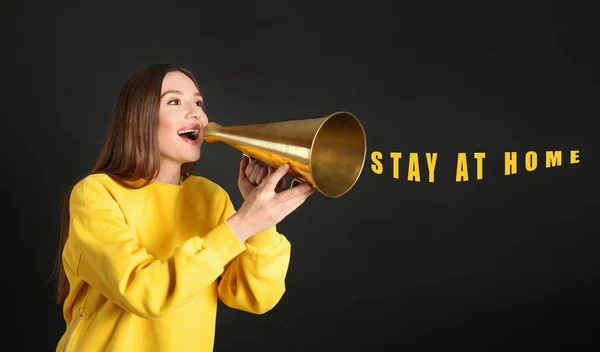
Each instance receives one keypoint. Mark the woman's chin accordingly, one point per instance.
(192, 158)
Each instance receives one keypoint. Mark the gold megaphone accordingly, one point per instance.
(326, 152)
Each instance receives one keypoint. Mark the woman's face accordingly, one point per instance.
(181, 120)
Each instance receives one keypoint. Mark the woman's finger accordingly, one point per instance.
(276, 176)
(255, 171)
(295, 197)
(250, 167)
(244, 164)
(261, 175)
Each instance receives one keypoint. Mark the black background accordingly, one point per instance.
(501, 264)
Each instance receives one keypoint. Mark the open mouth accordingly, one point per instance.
(190, 134)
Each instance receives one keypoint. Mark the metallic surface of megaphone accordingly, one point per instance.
(327, 152)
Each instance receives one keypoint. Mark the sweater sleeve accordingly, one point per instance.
(114, 262)
(254, 281)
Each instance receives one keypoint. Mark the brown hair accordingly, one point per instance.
(130, 152)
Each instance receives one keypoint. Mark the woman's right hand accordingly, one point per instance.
(266, 205)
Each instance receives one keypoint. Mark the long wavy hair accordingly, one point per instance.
(131, 151)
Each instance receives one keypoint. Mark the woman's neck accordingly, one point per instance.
(169, 174)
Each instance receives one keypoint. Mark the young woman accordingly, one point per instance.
(147, 248)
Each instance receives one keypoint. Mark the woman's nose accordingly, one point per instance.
(192, 115)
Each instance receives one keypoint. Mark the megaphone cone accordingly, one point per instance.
(327, 152)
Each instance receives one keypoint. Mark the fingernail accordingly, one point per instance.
(285, 166)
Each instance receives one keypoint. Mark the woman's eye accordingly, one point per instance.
(173, 101)
(200, 103)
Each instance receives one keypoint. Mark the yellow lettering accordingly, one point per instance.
(553, 158)
(461, 168)
(413, 167)
(510, 163)
(377, 166)
(431, 164)
(479, 157)
(396, 156)
(574, 156)
(530, 161)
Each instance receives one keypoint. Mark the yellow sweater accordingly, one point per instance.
(146, 267)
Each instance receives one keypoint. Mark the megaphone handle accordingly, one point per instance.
(296, 180)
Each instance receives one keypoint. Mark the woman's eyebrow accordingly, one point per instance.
(178, 92)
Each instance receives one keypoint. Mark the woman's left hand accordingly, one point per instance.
(252, 173)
